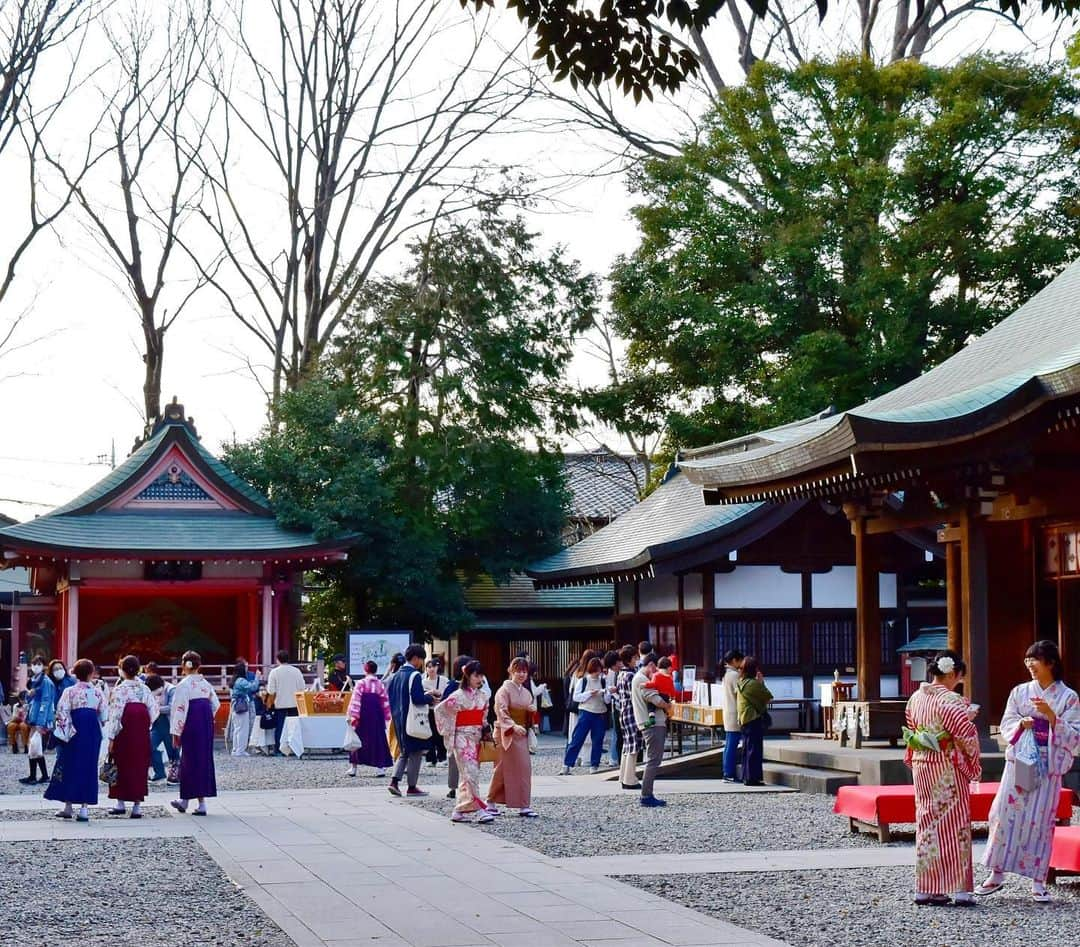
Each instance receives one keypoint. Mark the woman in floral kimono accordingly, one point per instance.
(943, 753)
(194, 703)
(1022, 819)
(514, 707)
(369, 716)
(132, 711)
(460, 719)
(79, 717)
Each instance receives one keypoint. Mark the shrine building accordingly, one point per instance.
(169, 551)
(985, 448)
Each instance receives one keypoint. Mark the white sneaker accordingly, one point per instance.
(351, 771)
(565, 771)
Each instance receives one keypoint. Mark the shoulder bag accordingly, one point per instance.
(417, 718)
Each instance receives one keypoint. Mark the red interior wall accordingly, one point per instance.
(158, 628)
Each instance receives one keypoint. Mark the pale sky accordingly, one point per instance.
(73, 394)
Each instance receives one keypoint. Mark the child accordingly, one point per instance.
(663, 681)
(17, 726)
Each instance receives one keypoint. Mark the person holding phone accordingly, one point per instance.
(1022, 819)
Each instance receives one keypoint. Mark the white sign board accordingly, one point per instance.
(689, 676)
(377, 646)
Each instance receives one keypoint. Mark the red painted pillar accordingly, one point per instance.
(252, 630)
(60, 633)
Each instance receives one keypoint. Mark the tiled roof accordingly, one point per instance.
(1027, 359)
(86, 525)
(180, 533)
(519, 594)
(603, 484)
(669, 521)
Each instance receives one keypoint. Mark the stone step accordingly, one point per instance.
(807, 778)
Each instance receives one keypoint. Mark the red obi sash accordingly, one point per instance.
(470, 718)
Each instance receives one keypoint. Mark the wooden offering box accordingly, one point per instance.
(322, 703)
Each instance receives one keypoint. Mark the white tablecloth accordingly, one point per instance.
(323, 732)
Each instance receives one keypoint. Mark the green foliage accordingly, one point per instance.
(839, 228)
(413, 436)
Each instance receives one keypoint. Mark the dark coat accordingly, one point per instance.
(398, 690)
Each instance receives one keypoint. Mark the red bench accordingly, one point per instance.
(1065, 855)
(875, 808)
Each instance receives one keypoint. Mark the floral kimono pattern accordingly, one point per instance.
(124, 693)
(942, 790)
(1022, 823)
(464, 743)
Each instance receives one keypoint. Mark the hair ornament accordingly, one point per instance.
(945, 665)
(190, 665)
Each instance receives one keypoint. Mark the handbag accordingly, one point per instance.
(172, 774)
(1028, 763)
(417, 718)
(487, 752)
(109, 773)
(35, 750)
(266, 720)
(351, 740)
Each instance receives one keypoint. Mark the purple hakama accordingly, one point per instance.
(371, 728)
(197, 752)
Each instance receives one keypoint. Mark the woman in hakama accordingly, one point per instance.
(1022, 820)
(194, 703)
(514, 707)
(369, 715)
(132, 711)
(79, 717)
(460, 719)
(943, 753)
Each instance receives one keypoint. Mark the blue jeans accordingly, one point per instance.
(731, 751)
(159, 736)
(754, 737)
(588, 725)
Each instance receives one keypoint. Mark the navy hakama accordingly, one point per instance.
(75, 775)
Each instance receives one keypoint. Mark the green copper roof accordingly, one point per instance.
(519, 594)
(169, 533)
(87, 526)
(672, 521)
(1028, 359)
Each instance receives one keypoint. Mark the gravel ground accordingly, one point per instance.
(141, 900)
(870, 908)
(319, 770)
(100, 812)
(700, 823)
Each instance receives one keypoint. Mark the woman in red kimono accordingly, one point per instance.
(943, 753)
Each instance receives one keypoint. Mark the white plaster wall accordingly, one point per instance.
(232, 570)
(625, 591)
(108, 569)
(660, 594)
(691, 591)
(758, 587)
(836, 588)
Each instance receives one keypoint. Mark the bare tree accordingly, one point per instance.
(32, 31)
(154, 121)
(361, 116)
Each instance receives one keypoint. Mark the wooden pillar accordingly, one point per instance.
(953, 597)
(976, 617)
(710, 658)
(71, 632)
(868, 613)
(806, 634)
(268, 625)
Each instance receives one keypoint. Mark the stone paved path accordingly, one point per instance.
(354, 866)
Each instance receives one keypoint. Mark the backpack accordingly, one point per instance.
(241, 704)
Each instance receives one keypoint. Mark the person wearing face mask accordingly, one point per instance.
(40, 715)
(58, 674)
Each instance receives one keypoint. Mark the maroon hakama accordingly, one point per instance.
(131, 753)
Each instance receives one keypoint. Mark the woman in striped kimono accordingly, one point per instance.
(943, 753)
(1022, 816)
(461, 718)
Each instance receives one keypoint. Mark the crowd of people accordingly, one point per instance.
(140, 721)
(1041, 729)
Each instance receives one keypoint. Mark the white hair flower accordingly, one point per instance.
(945, 665)
(189, 665)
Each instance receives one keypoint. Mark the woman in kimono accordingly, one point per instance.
(632, 741)
(1022, 819)
(512, 782)
(943, 753)
(369, 715)
(460, 719)
(194, 703)
(132, 711)
(79, 717)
